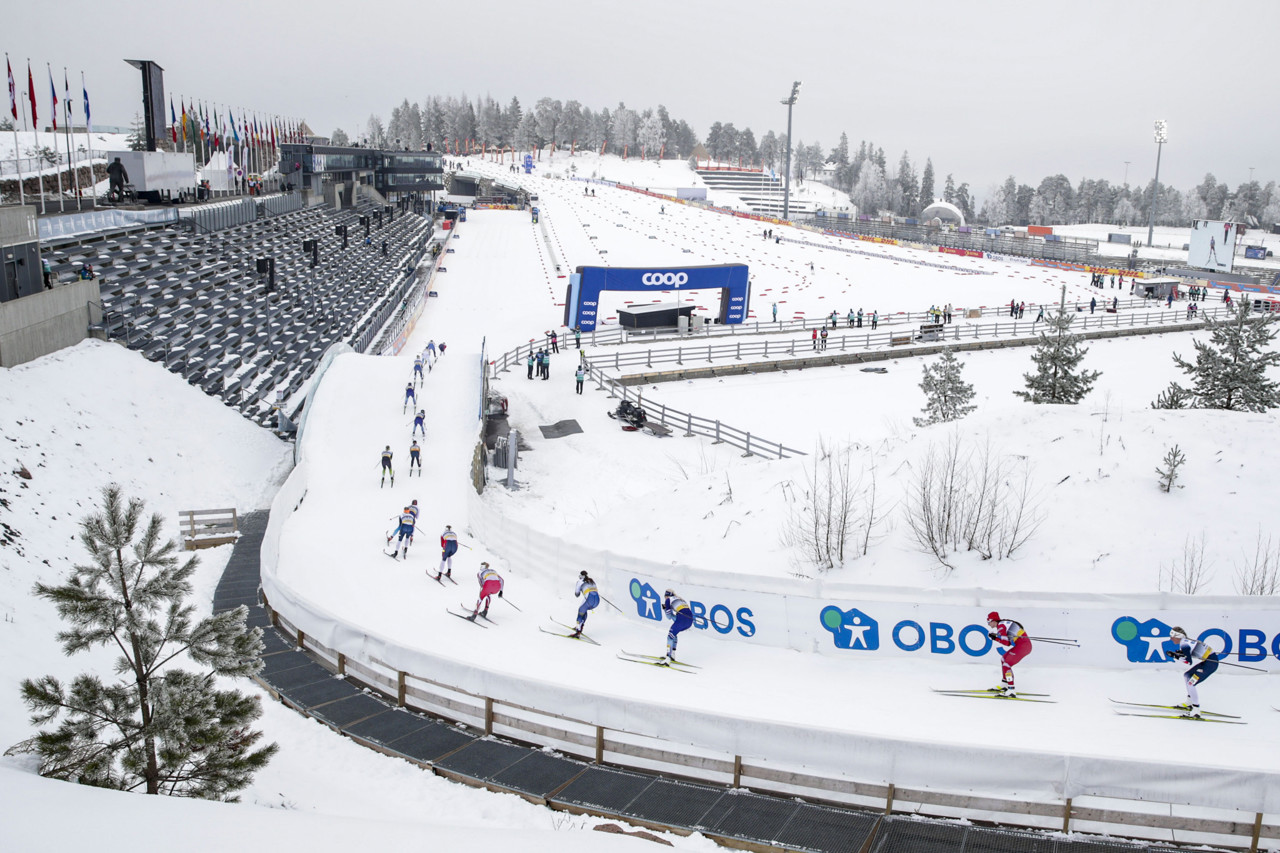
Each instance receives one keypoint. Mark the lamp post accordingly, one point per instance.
(786, 191)
(1162, 136)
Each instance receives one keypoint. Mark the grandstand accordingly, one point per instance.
(193, 299)
(761, 192)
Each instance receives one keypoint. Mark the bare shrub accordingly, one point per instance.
(1260, 574)
(971, 499)
(1189, 572)
(835, 507)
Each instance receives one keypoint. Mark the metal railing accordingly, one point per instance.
(1077, 251)
(752, 445)
(847, 340)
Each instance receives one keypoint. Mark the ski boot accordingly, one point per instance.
(1192, 712)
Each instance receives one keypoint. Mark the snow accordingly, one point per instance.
(1108, 530)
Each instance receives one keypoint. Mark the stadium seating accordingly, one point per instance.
(196, 303)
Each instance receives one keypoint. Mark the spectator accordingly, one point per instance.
(1093, 303)
(48, 273)
(117, 177)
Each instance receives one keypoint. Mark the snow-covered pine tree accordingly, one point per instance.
(946, 393)
(156, 728)
(1230, 371)
(1173, 397)
(137, 138)
(1058, 377)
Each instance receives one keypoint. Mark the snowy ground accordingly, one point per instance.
(1107, 527)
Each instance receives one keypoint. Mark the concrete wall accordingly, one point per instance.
(17, 225)
(46, 322)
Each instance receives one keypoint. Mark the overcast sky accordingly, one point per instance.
(985, 89)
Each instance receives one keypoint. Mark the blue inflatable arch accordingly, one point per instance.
(582, 300)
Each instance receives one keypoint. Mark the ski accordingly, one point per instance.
(1181, 717)
(1175, 708)
(392, 554)
(990, 690)
(660, 658)
(471, 618)
(583, 637)
(435, 578)
(442, 577)
(674, 666)
(990, 694)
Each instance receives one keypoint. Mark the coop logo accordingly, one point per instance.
(859, 631)
(851, 629)
(1147, 641)
(719, 617)
(658, 279)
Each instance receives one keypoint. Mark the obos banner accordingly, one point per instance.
(1108, 636)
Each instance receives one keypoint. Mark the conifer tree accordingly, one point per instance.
(1058, 377)
(946, 393)
(1230, 372)
(155, 728)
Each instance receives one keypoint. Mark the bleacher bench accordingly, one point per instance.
(899, 340)
(205, 528)
(930, 332)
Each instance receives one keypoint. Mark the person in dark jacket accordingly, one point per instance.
(117, 177)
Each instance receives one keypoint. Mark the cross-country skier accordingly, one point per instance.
(386, 467)
(586, 589)
(678, 609)
(490, 582)
(431, 349)
(448, 547)
(408, 519)
(417, 368)
(415, 458)
(1203, 661)
(409, 395)
(420, 422)
(1013, 644)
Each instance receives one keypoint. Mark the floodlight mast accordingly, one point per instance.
(1162, 136)
(786, 191)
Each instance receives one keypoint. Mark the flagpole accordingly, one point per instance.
(66, 108)
(35, 134)
(17, 151)
(62, 201)
(88, 139)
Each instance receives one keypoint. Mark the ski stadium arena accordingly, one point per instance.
(805, 718)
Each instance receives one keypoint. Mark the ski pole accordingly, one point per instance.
(611, 604)
(1242, 666)
(1068, 643)
(508, 602)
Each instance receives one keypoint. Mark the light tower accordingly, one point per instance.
(786, 190)
(1162, 136)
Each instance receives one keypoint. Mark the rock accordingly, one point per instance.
(23, 472)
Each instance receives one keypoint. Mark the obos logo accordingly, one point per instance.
(718, 616)
(658, 279)
(853, 629)
(1146, 641)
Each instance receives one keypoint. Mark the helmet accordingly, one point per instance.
(993, 616)
(1175, 631)
(668, 593)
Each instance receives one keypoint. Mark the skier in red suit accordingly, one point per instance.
(1012, 643)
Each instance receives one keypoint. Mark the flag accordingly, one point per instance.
(202, 123)
(31, 96)
(88, 121)
(173, 121)
(13, 90)
(53, 93)
(184, 121)
(273, 133)
(235, 131)
(66, 97)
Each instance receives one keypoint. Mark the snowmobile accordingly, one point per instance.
(633, 419)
